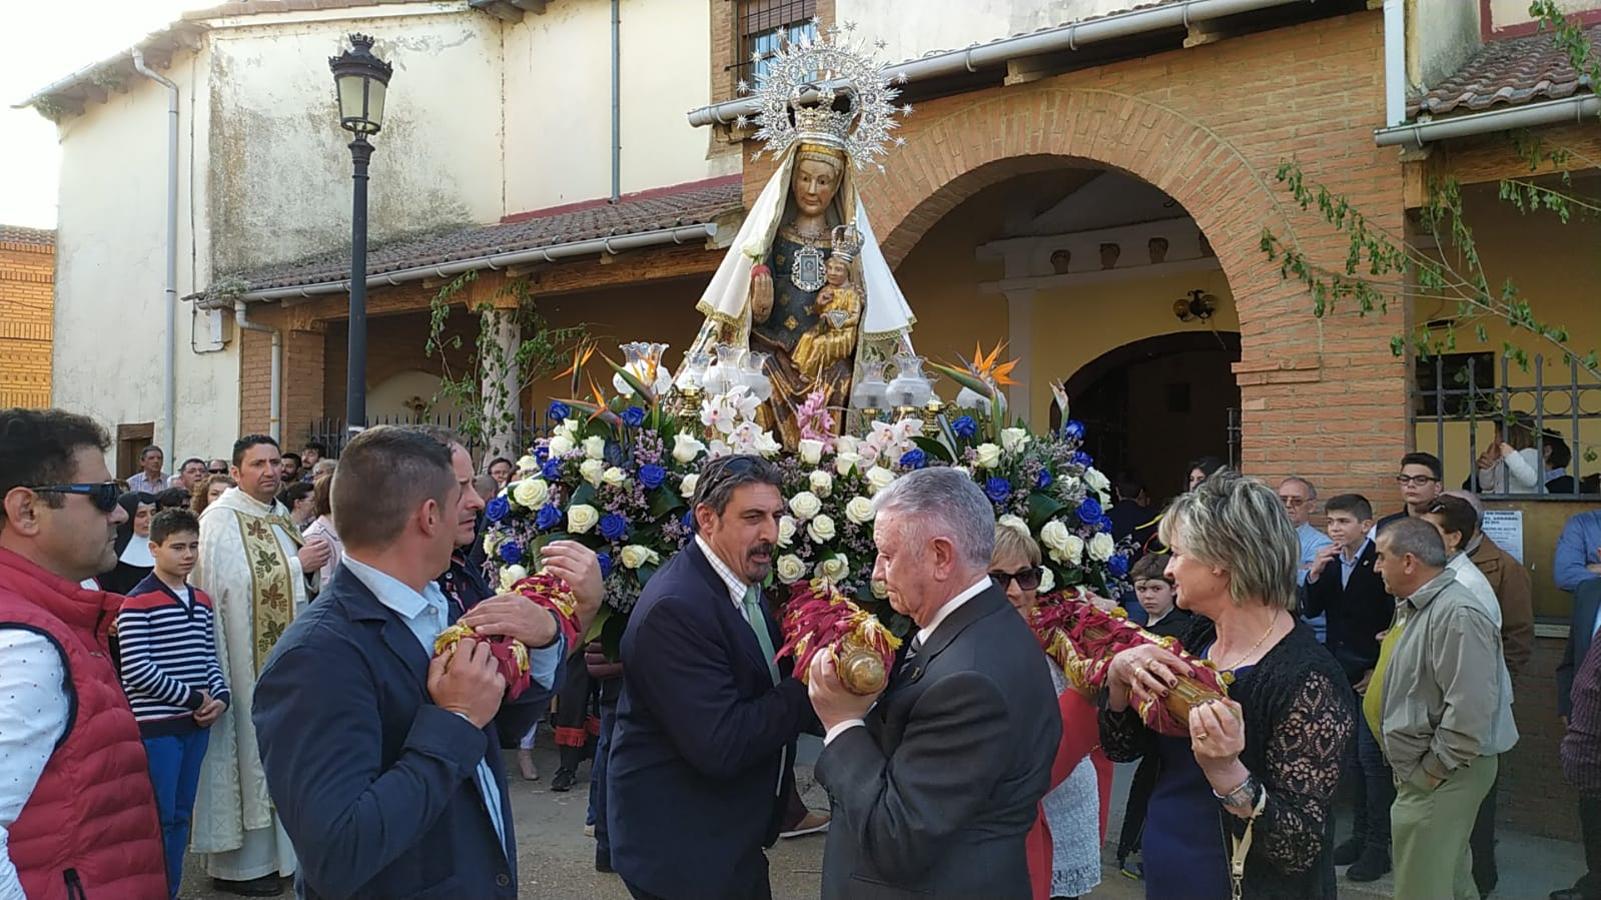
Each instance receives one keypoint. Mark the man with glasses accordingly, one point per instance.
(191, 473)
(217, 467)
(1299, 496)
(1421, 481)
(77, 813)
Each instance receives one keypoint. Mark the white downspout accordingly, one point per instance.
(1394, 62)
(241, 317)
(169, 385)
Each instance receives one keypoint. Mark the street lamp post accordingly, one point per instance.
(360, 80)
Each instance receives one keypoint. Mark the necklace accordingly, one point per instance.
(1247, 654)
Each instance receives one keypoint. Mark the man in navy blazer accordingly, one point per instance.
(706, 725)
(384, 764)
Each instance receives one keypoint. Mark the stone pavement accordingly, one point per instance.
(556, 860)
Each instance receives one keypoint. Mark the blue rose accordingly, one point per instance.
(914, 459)
(1089, 511)
(1044, 481)
(613, 526)
(551, 469)
(1105, 523)
(1117, 565)
(688, 519)
(1083, 459)
(541, 453)
(559, 412)
(964, 427)
(605, 564)
(998, 489)
(511, 553)
(497, 508)
(549, 517)
(652, 476)
(633, 416)
(1073, 430)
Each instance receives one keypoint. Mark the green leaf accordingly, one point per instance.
(934, 448)
(597, 626)
(585, 495)
(645, 572)
(964, 378)
(1041, 509)
(664, 501)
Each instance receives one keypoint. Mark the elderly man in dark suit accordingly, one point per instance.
(706, 724)
(936, 786)
(384, 764)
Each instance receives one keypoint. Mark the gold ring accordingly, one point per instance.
(1200, 735)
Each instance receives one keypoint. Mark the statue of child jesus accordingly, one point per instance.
(839, 308)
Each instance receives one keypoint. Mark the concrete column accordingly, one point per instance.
(1020, 346)
(501, 384)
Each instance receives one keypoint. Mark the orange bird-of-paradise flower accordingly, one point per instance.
(581, 355)
(987, 367)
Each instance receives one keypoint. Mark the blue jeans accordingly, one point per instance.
(609, 691)
(175, 772)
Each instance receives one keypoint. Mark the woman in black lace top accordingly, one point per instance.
(1247, 794)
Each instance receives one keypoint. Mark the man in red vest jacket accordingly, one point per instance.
(77, 812)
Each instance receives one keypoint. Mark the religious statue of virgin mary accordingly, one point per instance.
(805, 289)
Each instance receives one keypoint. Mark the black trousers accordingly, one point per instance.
(761, 890)
(1482, 842)
(1590, 833)
(1139, 797)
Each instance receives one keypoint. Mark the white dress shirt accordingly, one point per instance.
(923, 636)
(737, 586)
(33, 716)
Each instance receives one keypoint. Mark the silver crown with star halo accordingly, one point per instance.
(804, 78)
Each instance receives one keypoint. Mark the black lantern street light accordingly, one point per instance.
(360, 79)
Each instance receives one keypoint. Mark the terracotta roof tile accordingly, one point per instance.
(690, 204)
(17, 234)
(1507, 72)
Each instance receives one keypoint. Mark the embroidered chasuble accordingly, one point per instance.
(248, 566)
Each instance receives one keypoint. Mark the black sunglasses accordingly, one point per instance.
(216, 471)
(103, 494)
(1027, 580)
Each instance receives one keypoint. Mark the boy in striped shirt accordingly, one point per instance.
(171, 676)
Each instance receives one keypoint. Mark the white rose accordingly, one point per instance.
(1096, 480)
(686, 488)
(492, 541)
(880, 589)
(846, 443)
(1047, 581)
(805, 505)
(834, 569)
(595, 447)
(569, 427)
(847, 460)
(686, 448)
(1106, 499)
(879, 478)
(810, 450)
(822, 482)
(1101, 547)
(591, 470)
(859, 510)
(1054, 535)
(581, 518)
(1071, 553)
(789, 568)
(1066, 483)
(1015, 523)
(527, 464)
(560, 445)
(989, 456)
(635, 555)
(511, 575)
(820, 529)
(530, 493)
(1013, 439)
(786, 530)
(613, 476)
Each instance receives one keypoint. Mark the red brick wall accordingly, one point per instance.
(27, 299)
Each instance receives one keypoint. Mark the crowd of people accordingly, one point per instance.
(238, 661)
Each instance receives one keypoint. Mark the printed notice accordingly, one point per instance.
(1505, 527)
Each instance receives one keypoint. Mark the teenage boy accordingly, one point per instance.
(1155, 594)
(1342, 585)
(1421, 480)
(171, 675)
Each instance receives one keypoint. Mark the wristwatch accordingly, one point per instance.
(1242, 797)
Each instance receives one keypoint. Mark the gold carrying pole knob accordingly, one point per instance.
(861, 670)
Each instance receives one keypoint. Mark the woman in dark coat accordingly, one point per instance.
(133, 544)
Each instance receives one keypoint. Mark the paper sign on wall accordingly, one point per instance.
(1505, 527)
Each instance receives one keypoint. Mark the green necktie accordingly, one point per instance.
(758, 624)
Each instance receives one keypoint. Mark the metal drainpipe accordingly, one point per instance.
(616, 101)
(241, 317)
(1394, 62)
(169, 384)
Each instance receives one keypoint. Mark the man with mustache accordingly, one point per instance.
(707, 722)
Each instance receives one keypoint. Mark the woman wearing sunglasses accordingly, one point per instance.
(1065, 845)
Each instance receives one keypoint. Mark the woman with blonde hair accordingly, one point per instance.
(1245, 797)
(1064, 848)
(323, 525)
(206, 492)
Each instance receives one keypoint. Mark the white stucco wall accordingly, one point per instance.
(910, 29)
(558, 100)
(1441, 35)
(1504, 13)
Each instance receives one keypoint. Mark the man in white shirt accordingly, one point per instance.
(936, 784)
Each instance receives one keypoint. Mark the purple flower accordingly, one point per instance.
(1117, 565)
(1073, 430)
(652, 475)
(549, 517)
(914, 459)
(613, 526)
(559, 411)
(511, 552)
(998, 489)
(605, 564)
(1089, 511)
(551, 469)
(633, 416)
(964, 427)
(497, 508)
(1044, 480)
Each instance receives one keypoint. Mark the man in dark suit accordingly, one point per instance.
(384, 764)
(937, 785)
(706, 724)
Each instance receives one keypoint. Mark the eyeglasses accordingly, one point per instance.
(216, 471)
(1415, 480)
(103, 494)
(1027, 580)
(1293, 502)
